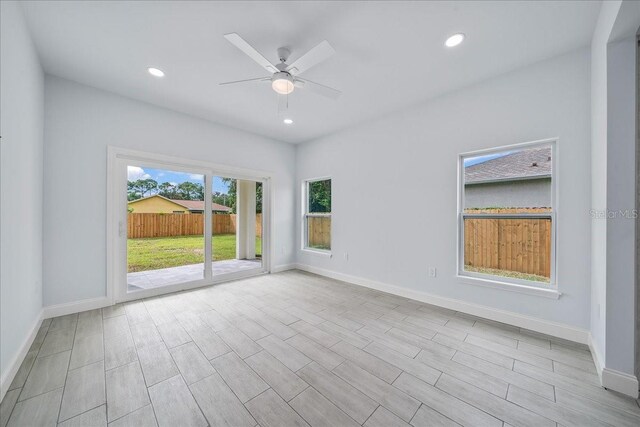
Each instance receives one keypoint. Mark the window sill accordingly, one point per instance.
(317, 252)
(511, 287)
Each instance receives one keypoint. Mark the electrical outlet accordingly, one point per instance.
(346, 256)
(432, 272)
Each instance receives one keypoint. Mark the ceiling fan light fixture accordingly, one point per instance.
(282, 83)
(454, 40)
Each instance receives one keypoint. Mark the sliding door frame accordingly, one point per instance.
(116, 227)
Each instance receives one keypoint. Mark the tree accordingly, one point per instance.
(147, 186)
(140, 188)
(168, 190)
(258, 197)
(232, 193)
(190, 191)
(220, 198)
(320, 196)
(132, 191)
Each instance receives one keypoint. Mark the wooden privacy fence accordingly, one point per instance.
(319, 232)
(141, 225)
(514, 244)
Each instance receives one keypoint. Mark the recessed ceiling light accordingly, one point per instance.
(155, 72)
(288, 121)
(454, 40)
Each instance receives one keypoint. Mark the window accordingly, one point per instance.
(317, 214)
(507, 215)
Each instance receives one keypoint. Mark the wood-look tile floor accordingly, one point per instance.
(295, 349)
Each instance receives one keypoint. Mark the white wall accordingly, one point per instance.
(395, 185)
(621, 150)
(606, 20)
(80, 123)
(613, 122)
(21, 121)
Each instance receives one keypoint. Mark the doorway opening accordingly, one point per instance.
(237, 225)
(184, 225)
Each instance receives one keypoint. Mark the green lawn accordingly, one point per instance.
(507, 273)
(163, 252)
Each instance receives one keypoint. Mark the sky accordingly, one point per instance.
(162, 175)
(470, 161)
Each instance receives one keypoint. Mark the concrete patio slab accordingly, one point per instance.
(187, 273)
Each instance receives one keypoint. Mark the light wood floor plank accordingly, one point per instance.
(294, 348)
(351, 400)
(559, 413)
(523, 381)
(492, 404)
(385, 394)
(596, 410)
(444, 403)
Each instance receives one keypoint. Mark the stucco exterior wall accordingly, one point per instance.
(513, 194)
(156, 205)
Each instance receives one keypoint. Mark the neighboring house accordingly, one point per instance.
(160, 204)
(517, 180)
(197, 206)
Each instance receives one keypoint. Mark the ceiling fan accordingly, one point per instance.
(285, 77)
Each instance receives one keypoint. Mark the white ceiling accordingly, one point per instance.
(389, 55)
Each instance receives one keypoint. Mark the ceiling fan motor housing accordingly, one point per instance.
(283, 54)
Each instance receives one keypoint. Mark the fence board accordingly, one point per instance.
(319, 232)
(521, 244)
(142, 225)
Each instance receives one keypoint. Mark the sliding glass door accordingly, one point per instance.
(165, 227)
(182, 226)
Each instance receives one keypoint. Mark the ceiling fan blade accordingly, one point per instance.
(259, 79)
(323, 90)
(241, 44)
(315, 56)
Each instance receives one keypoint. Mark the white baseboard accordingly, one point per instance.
(75, 307)
(555, 329)
(16, 361)
(612, 379)
(597, 358)
(620, 382)
(283, 267)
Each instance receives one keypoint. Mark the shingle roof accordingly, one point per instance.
(198, 205)
(524, 164)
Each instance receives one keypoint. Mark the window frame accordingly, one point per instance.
(512, 284)
(306, 214)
